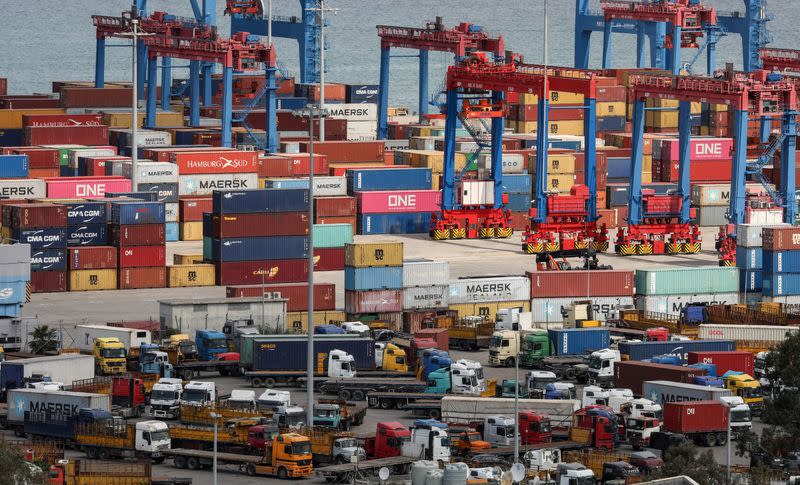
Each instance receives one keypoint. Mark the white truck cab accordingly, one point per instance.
(165, 398)
(477, 368)
(290, 417)
(356, 328)
(639, 408)
(46, 385)
(242, 399)
(199, 393)
(341, 364)
(499, 430)
(740, 412)
(273, 399)
(538, 381)
(574, 474)
(544, 460)
(619, 397)
(504, 348)
(152, 437)
(594, 396)
(639, 430)
(429, 441)
(601, 367)
(463, 380)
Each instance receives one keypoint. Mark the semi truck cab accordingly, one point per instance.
(574, 474)
(390, 357)
(538, 381)
(210, 344)
(429, 441)
(198, 393)
(272, 400)
(534, 428)
(535, 346)
(504, 348)
(639, 430)
(388, 441)
(341, 364)
(183, 345)
(642, 407)
(455, 379)
(290, 457)
(110, 355)
(291, 417)
(477, 368)
(327, 415)
(242, 399)
(740, 412)
(499, 430)
(747, 388)
(155, 362)
(601, 367)
(152, 437)
(560, 390)
(165, 398)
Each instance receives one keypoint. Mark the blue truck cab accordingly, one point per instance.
(433, 360)
(708, 381)
(329, 329)
(210, 344)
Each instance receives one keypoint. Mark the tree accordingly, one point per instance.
(16, 470)
(43, 339)
(683, 459)
(782, 405)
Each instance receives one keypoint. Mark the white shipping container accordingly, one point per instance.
(673, 304)
(151, 172)
(464, 146)
(205, 184)
(92, 152)
(463, 410)
(490, 289)
(362, 130)
(548, 310)
(475, 192)
(711, 194)
(64, 403)
(763, 217)
(148, 138)
(353, 111)
(324, 186)
(64, 368)
(171, 212)
(785, 299)
(426, 297)
(512, 162)
(425, 272)
(758, 333)
(23, 188)
(82, 337)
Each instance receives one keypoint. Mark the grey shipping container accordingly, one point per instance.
(673, 304)
(667, 391)
(425, 272)
(426, 297)
(288, 352)
(52, 402)
(490, 289)
(712, 215)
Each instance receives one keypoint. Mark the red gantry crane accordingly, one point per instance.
(783, 60)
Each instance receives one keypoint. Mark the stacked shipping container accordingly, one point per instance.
(554, 291)
(138, 231)
(668, 291)
(373, 283)
(44, 227)
(781, 262)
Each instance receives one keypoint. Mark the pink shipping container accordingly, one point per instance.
(140, 256)
(389, 201)
(379, 301)
(559, 284)
(80, 187)
(700, 149)
(215, 162)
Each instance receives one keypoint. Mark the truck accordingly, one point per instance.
(128, 393)
(337, 363)
(563, 351)
(106, 440)
(662, 392)
(287, 456)
(65, 368)
(601, 367)
(210, 344)
(241, 435)
(574, 474)
(165, 398)
(648, 350)
(534, 428)
(173, 363)
(241, 399)
(704, 422)
(83, 337)
(471, 333)
(429, 441)
(100, 472)
(499, 430)
(390, 357)
(43, 426)
(62, 403)
(338, 414)
(273, 399)
(456, 379)
(198, 393)
(639, 430)
(331, 446)
(257, 352)
(358, 387)
(632, 374)
(472, 411)
(747, 388)
(608, 465)
(740, 412)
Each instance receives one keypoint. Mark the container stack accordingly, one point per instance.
(560, 171)
(668, 291)
(781, 264)
(92, 262)
(518, 187)
(160, 178)
(554, 291)
(566, 120)
(15, 274)
(611, 108)
(373, 283)
(329, 246)
(749, 260)
(138, 232)
(258, 236)
(426, 291)
(44, 227)
(483, 296)
(190, 216)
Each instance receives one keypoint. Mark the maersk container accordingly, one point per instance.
(749, 258)
(747, 335)
(578, 341)
(662, 392)
(260, 248)
(751, 280)
(674, 304)
(287, 352)
(425, 272)
(780, 284)
(648, 350)
(260, 200)
(426, 297)
(712, 279)
(324, 186)
(388, 179)
(397, 223)
(780, 261)
(46, 238)
(332, 235)
(548, 310)
(14, 166)
(361, 279)
(63, 368)
(62, 403)
(124, 213)
(490, 289)
(749, 235)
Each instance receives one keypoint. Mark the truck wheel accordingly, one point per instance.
(250, 469)
(269, 381)
(193, 463)
(400, 405)
(510, 362)
(570, 374)
(345, 394)
(358, 395)
(104, 454)
(179, 462)
(282, 473)
(340, 460)
(224, 372)
(91, 452)
(159, 460)
(256, 382)
(722, 439)
(711, 439)
(385, 404)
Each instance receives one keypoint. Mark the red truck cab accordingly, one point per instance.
(602, 421)
(258, 436)
(128, 392)
(534, 428)
(388, 440)
(657, 334)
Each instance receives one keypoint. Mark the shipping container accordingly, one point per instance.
(675, 304)
(48, 281)
(296, 294)
(129, 213)
(779, 261)
(214, 162)
(364, 255)
(24, 216)
(439, 335)
(664, 391)
(784, 238)
(648, 350)
(92, 257)
(291, 165)
(49, 260)
(205, 184)
(14, 166)
(471, 409)
(188, 275)
(82, 135)
(748, 336)
(385, 202)
(388, 179)
(749, 235)
(140, 256)
(488, 309)
(749, 258)
(63, 403)
(696, 417)
(23, 188)
(261, 200)
(426, 297)
(138, 235)
(142, 277)
(87, 235)
(374, 278)
(260, 225)
(633, 374)
(297, 322)
(780, 284)
(285, 352)
(373, 301)
(737, 361)
(549, 310)
(324, 186)
(85, 213)
(489, 289)
(260, 248)
(47, 238)
(191, 210)
(712, 279)
(398, 223)
(84, 187)
(560, 284)
(425, 272)
(64, 368)
(348, 151)
(334, 206)
(578, 341)
(328, 259)
(93, 279)
(332, 235)
(256, 272)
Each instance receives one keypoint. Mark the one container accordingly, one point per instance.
(674, 304)
(139, 256)
(375, 301)
(633, 374)
(712, 279)
(489, 289)
(397, 223)
(560, 284)
(261, 200)
(332, 235)
(144, 277)
(187, 275)
(254, 272)
(269, 248)
(296, 294)
(578, 341)
(737, 361)
(781, 238)
(377, 278)
(92, 257)
(388, 179)
(363, 255)
(425, 272)
(748, 336)
(93, 279)
(648, 350)
(83, 187)
(426, 297)
(385, 202)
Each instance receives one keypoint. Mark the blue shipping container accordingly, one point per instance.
(11, 375)
(400, 223)
(49, 260)
(519, 202)
(85, 213)
(207, 225)
(172, 231)
(648, 350)
(87, 235)
(143, 196)
(779, 261)
(51, 237)
(12, 292)
(363, 279)
(260, 200)
(66, 171)
(780, 284)
(751, 280)
(290, 355)
(578, 341)
(124, 213)
(611, 123)
(14, 166)
(388, 179)
(619, 167)
(516, 184)
(750, 258)
(292, 103)
(10, 138)
(260, 248)
(167, 193)
(565, 144)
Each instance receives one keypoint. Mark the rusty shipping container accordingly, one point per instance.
(439, 335)
(560, 284)
(781, 238)
(90, 97)
(92, 257)
(143, 277)
(39, 215)
(192, 209)
(335, 206)
(252, 272)
(631, 374)
(260, 225)
(349, 151)
(138, 235)
(40, 158)
(329, 259)
(66, 135)
(373, 301)
(48, 281)
(141, 256)
(295, 293)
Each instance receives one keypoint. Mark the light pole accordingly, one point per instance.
(728, 443)
(310, 112)
(516, 408)
(215, 417)
(321, 11)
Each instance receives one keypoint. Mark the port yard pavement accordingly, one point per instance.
(474, 257)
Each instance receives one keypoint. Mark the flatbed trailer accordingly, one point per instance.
(430, 408)
(509, 450)
(471, 337)
(269, 378)
(357, 388)
(346, 472)
(399, 400)
(250, 464)
(188, 370)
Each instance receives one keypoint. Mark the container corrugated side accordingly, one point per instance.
(426, 297)
(750, 258)
(332, 235)
(784, 238)
(185, 275)
(388, 179)
(489, 289)
(749, 235)
(260, 248)
(375, 301)
(780, 284)
(488, 309)
(771, 334)
(400, 223)
(561, 284)
(425, 272)
(548, 310)
(674, 304)
(739, 361)
(647, 350)
(780, 261)
(682, 281)
(67, 403)
(363, 255)
(92, 279)
(360, 279)
(664, 391)
(578, 341)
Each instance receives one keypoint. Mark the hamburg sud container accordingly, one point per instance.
(373, 301)
(737, 361)
(648, 350)
(578, 341)
(561, 284)
(683, 281)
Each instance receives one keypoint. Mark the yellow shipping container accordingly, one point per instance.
(697, 108)
(193, 231)
(616, 108)
(434, 160)
(647, 163)
(567, 127)
(190, 275)
(297, 322)
(647, 177)
(705, 131)
(12, 118)
(718, 108)
(556, 98)
(179, 258)
(488, 309)
(560, 182)
(665, 119)
(365, 255)
(123, 119)
(436, 181)
(557, 163)
(93, 279)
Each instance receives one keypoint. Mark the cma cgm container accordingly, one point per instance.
(359, 180)
(287, 352)
(632, 374)
(648, 350)
(561, 284)
(578, 341)
(738, 361)
(361, 279)
(490, 288)
(261, 200)
(63, 403)
(663, 391)
(713, 279)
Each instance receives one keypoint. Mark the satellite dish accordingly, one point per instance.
(383, 473)
(518, 472)
(536, 480)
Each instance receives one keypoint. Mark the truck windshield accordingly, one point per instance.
(301, 448)
(741, 416)
(156, 436)
(325, 413)
(348, 443)
(595, 362)
(194, 395)
(445, 441)
(507, 431)
(635, 424)
(545, 426)
(113, 353)
(347, 366)
(240, 404)
(294, 420)
(148, 358)
(496, 342)
(541, 382)
(163, 395)
(479, 373)
(187, 348)
(217, 343)
(751, 392)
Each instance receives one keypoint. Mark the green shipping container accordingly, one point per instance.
(207, 243)
(332, 235)
(711, 279)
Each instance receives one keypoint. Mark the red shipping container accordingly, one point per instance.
(341, 170)
(632, 374)
(695, 417)
(273, 271)
(48, 281)
(141, 256)
(781, 238)
(191, 210)
(29, 102)
(90, 97)
(164, 154)
(699, 171)
(530, 112)
(440, 335)
(138, 235)
(292, 165)
(92, 257)
(334, 206)
(608, 217)
(260, 225)
(43, 173)
(377, 301)
(296, 293)
(62, 120)
(29, 216)
(215, 162)
(3, 86)
(348, 151)
(520, 220)
(66, 135)
(562, 284)
(143, 277)
(84, 187)
(611, 94)
(385, 201)
(737, 361)
(39, 158)
(328, 259)
(352, 220)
